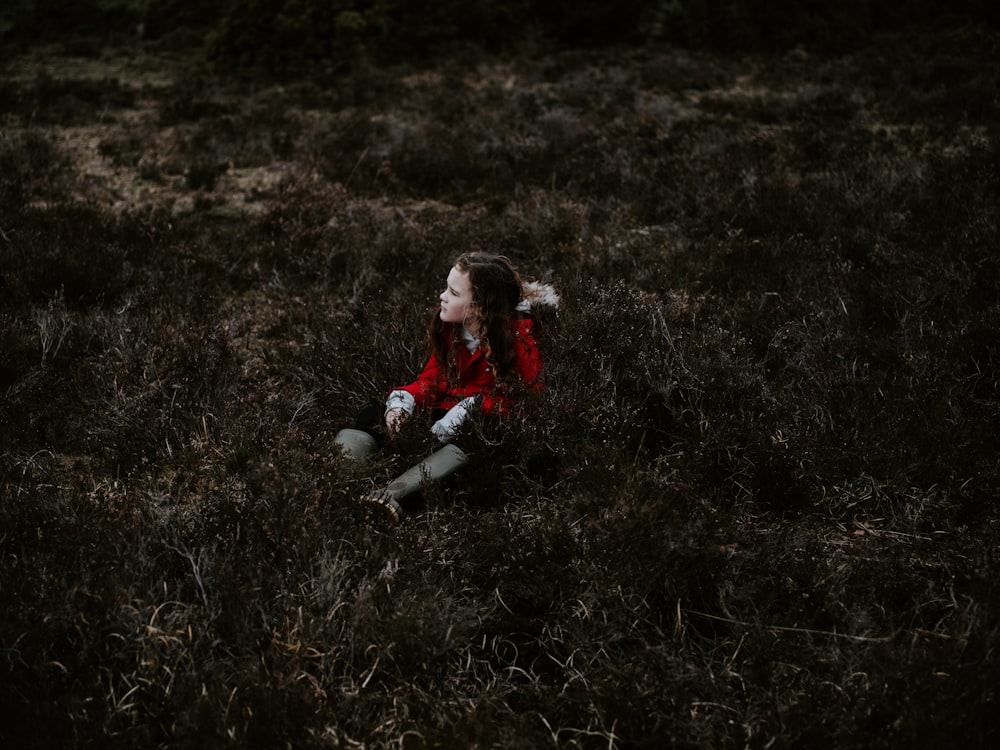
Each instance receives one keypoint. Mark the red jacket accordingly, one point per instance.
(431, 389)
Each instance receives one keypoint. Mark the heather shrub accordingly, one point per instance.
(295, 38)
(48, 99)
(753, 507)
(31, 168)
(79, 25)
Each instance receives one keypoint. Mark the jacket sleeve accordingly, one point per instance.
(529, 364)
(430, 383)
(529, 370)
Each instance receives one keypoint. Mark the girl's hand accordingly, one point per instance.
(394, 419)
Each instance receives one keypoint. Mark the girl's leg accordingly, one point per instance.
(365, 438)
(440, 464)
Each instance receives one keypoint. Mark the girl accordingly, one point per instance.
(484, 356)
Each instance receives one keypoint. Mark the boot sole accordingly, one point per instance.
(385, 506)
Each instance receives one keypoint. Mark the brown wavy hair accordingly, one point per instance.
(496, 291)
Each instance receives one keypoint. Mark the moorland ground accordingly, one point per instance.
(756, 506)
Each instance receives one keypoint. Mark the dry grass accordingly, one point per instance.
(756, 508)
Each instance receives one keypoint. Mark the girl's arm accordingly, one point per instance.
(528, 368)
(420, 392)
(529, 363)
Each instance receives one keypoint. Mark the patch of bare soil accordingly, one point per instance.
(126, 158)
(175, 139)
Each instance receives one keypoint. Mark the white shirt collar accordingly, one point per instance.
(471, 342)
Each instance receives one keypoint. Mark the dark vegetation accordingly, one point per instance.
(757, 508)
(308, 37)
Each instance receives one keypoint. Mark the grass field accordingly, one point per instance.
(756, 508)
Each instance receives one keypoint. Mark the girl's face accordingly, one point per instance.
(456, 299)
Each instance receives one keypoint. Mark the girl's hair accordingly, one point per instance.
(496, 292)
